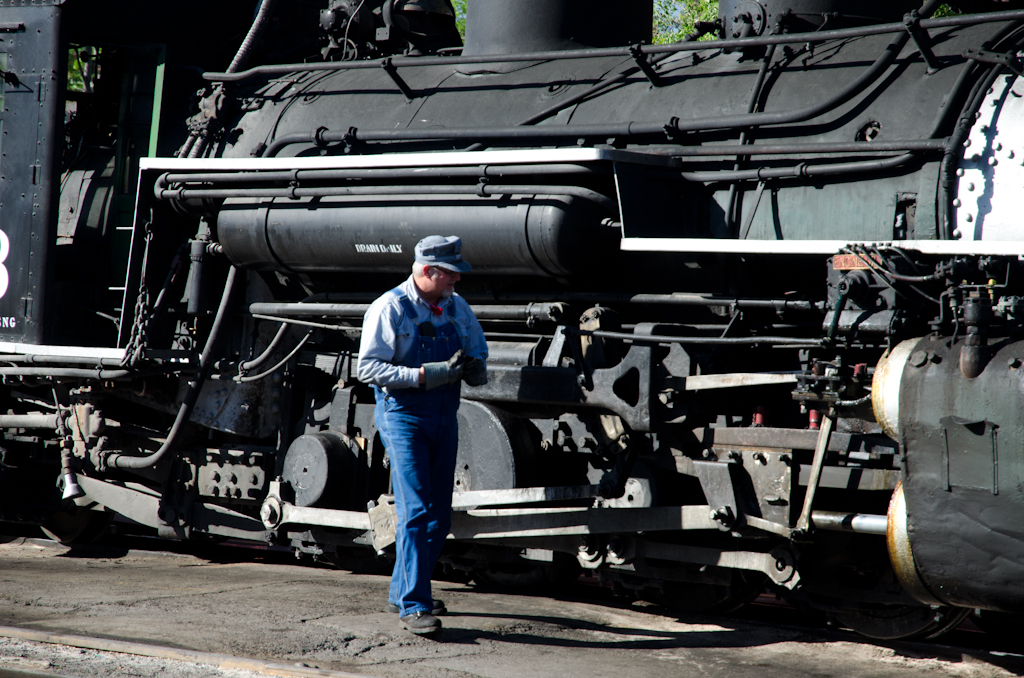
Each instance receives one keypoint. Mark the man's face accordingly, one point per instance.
(444, 281)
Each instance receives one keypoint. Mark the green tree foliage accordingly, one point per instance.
(460, 16)
(674, 19)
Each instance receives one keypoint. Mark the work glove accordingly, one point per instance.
(442, 373)
(474, 372)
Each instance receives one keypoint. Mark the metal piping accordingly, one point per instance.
(680, 299)
(194, 387)
(353, 135)
(482, 190)
(297, 175)
(731, 218)
(32, 358)
(49, 421)
(65, 373)
(838, 521)
(712, 341)
(803, 149)
(954, 146)
(801, 170)
(742, 43)
(539, 311)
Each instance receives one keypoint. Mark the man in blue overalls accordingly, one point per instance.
(420, 340)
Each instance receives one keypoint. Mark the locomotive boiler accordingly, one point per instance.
(751, 298)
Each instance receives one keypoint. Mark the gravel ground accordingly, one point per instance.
(294, 614)
(59, 660)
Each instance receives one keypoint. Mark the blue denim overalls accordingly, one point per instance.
(421, 435)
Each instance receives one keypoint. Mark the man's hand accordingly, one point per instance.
(474, 372)
(442, 373)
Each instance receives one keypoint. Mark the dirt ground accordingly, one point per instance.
(318, 617)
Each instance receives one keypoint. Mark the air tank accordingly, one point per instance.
(542, 235)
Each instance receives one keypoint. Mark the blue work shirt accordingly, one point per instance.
(388, 336)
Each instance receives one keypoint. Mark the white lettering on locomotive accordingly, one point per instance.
(373, 248)
(8, 322)
(5, 249)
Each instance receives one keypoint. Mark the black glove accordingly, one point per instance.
(474, 372)
(442, 373)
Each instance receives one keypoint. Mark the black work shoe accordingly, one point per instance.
(438, 610)
(421, 623)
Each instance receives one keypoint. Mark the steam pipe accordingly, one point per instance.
(711, 341)
(65, 373)
(888, 56)
(540, 311)
(755, 96)
(837, 521)
(29, 421)
(483, 190)
(680, 299)
(297, 175)
(761, 41)
(801, 170)
(952, 150)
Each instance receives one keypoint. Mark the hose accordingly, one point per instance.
(194, 387)
(245, 50)
(280, 364)
(263, 357)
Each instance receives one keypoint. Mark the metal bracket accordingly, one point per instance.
(646, 66)
(1010, 60)
(716, 481)
(753, 210)
(923, 41)
(779, 564)
(636, 364)
(276, 512)
(392, 70)
(144, 508)
(803, 525)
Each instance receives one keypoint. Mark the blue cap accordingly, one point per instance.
(443, 251)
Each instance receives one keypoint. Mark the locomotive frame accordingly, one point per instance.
(752, 344)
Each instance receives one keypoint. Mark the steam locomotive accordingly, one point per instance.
(751, 301)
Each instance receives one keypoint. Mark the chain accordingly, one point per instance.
(137, 340)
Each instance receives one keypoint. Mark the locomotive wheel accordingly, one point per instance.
(79, 526)
(902, 621)
(692, 598)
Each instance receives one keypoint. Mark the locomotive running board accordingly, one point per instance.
(827, 247)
